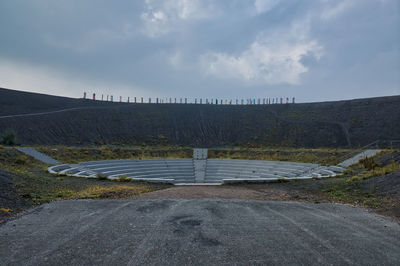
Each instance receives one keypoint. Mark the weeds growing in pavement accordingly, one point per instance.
(101, 176)
(122, 178)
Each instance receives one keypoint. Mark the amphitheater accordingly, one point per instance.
(198, 170)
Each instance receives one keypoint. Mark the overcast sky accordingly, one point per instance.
(314, 50)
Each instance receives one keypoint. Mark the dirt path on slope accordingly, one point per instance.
(310, 191)
(244, 191)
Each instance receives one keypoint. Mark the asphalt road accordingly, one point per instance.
(199, 232)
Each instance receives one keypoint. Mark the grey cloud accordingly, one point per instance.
(101, 43)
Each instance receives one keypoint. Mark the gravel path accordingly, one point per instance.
(355, 159)
(198, 232)
(49, 112)
(38, 155)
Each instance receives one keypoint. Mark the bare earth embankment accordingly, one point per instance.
(350, 123)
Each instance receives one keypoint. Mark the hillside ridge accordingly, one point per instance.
(347, 123)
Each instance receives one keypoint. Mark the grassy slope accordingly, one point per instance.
(324, 156)
(357, 187)
(36, 186)
(75, 154)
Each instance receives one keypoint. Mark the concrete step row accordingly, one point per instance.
(256, 162)
(260, 166)
(183, 170)
(104, 166)
(155, 170)
(282, 171)
(142, 168)
(159, 174)
(261, 169)
(143, 161)
(173, 176)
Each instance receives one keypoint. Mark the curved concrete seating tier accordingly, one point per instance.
(243, 170)
(182, 171)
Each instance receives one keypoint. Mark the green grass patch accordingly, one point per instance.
(353, 193)
(35, 184)
(74, 154)
(359, 175)
(39, 187)
(14, 160)
(320, 156)
(115, 191)
(122, 178)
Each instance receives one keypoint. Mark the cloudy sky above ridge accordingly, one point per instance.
(314, 50)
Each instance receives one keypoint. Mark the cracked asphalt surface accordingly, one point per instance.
(198, 232)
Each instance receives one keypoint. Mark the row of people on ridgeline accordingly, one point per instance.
(249, 101)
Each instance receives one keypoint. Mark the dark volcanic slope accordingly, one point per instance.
(329, 124)
(9, 198)
(19, 102)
